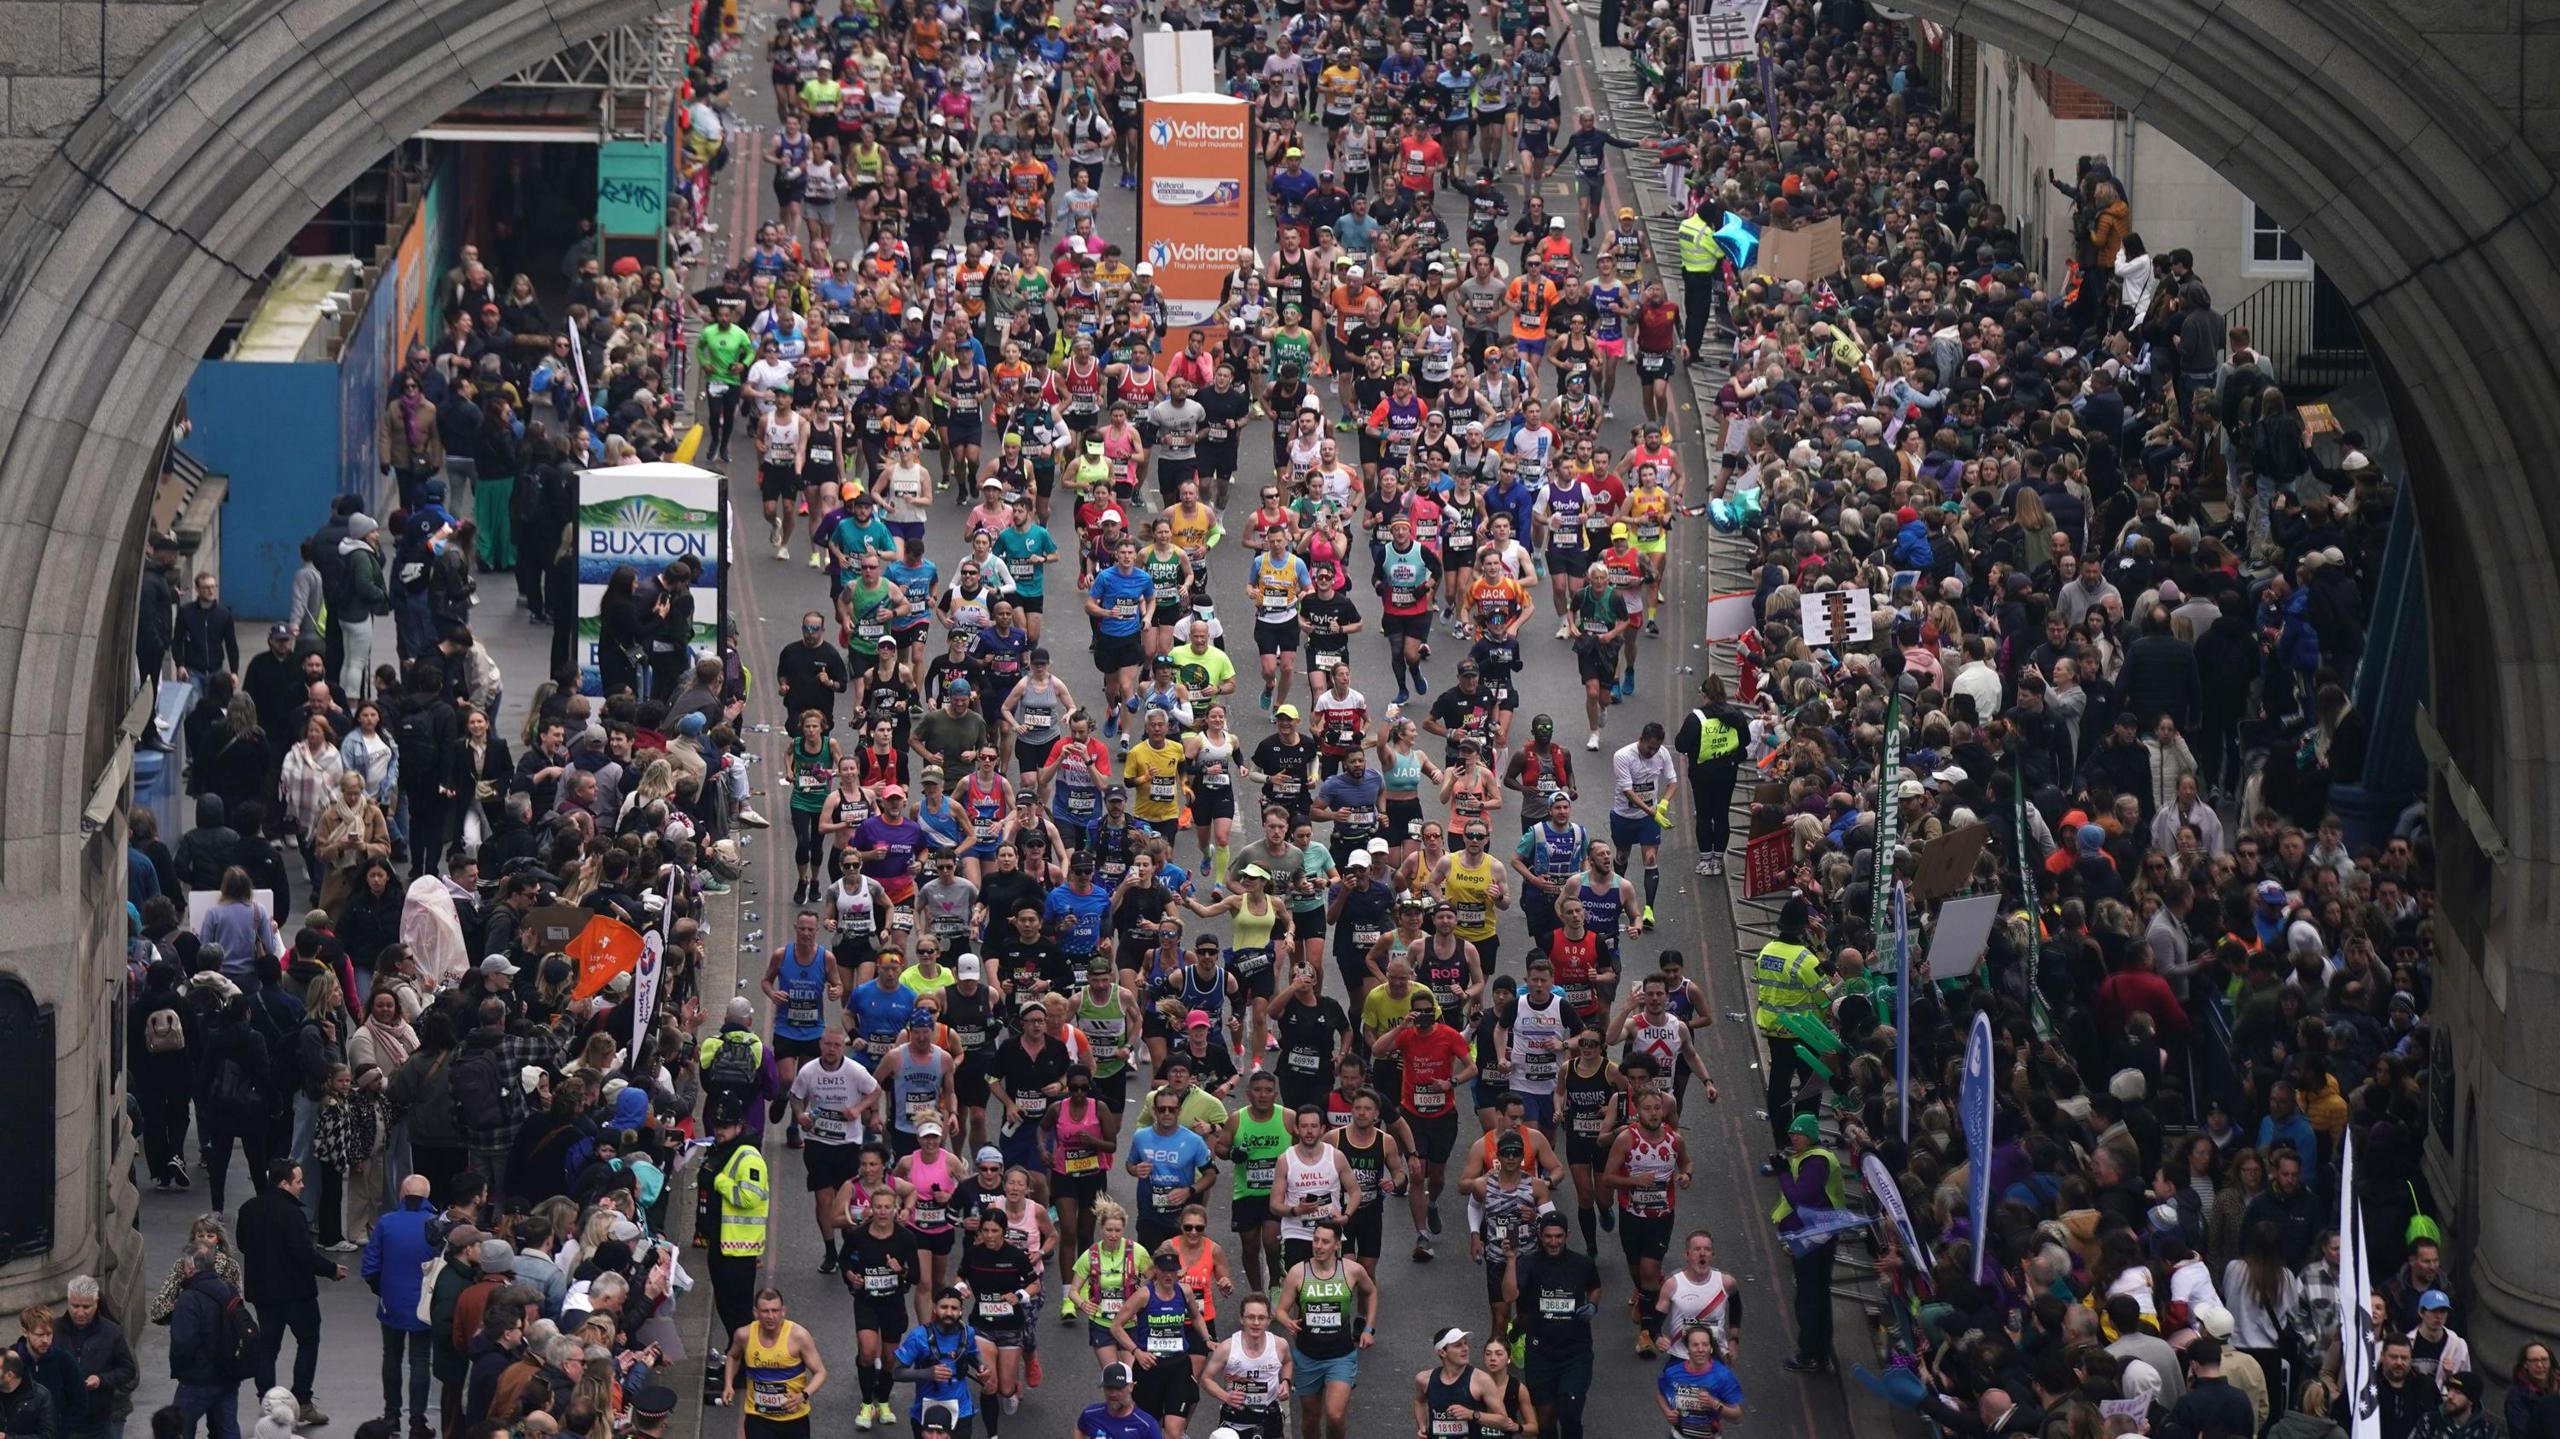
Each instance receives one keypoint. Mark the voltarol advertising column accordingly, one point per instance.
(1195, 208)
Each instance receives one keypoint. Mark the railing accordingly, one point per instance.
(2308, 335)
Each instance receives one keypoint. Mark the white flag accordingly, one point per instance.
(2359, 1346)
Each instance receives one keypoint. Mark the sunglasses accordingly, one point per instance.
(1195, 1229)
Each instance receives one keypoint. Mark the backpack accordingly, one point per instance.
(733, 1066)
(233, 1089)
(415, 731)
(484, 1093)
(164, 1031)
(235, 1340)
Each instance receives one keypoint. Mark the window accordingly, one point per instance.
(2267, 250)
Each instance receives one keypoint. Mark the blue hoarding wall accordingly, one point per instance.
(255, 422)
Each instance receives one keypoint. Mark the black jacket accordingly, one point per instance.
(278, 1260)
(205, 638)
(195, 1332)
(2160, 677)
(157, 626)
(205, 851)
(29, 1413)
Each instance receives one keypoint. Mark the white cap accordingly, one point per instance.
(1146, 267)
(1359, 859)
(1379, 846)
(1449, 1336)
(968, 967)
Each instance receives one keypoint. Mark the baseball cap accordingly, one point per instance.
(1116, 1376)
(500, 964)
(1145, 267)
(968, 967)
(1449, 1336)
(989, 1154)
(1196, 1019)
(1285, 712)
(2434, 1299)
(1556, 224)
(893, 791)
(279, 631)
(2270, 892)
(1359, 859)
(1626, 212)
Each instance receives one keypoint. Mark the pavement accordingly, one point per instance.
(1695, 915)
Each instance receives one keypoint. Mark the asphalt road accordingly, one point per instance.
(1726, 1139)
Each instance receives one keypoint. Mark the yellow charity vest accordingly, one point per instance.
(1786, 983)
(1699, 251)
(746, 1202)
(1831, 1191)
(777, 1380)
(1716, 738)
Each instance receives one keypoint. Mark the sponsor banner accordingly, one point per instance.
(1195, 218)
(1973, 1114)
(1176, 190)
(646, 516)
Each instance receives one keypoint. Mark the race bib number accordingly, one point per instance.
(1084, 1164)
(995, 1308)
(1326, 1320)
(1558, 1306)
(879, 1281)
(1161, 1342)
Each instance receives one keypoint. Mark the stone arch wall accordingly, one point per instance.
(2408, 143)
(2412, 146)
(117, 264)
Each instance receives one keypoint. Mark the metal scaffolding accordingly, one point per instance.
(634, 70)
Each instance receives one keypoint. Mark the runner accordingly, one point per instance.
(783, 1371)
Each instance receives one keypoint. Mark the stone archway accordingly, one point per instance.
(117, 266)
(2412, 150)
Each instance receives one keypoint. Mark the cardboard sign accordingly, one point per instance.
(551, 927)
(1767, 863)
(1964, 928)
(1809, 253)
(1832, 618)
(1944, 865)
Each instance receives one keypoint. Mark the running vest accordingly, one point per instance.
(777, 1381)
(1693, 1302)
(1254, 1379)
(1105, 1026)
(1537, 1042)
(804, 987)
(919, 1088)
(1327, 1326)
(1301, 1181)
(1654, 1162)
(1583, 1103)
(1259, 1144)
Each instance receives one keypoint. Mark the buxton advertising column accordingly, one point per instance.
(1195, 205)
(643, 517)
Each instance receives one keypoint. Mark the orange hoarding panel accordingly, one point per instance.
(1195, 209)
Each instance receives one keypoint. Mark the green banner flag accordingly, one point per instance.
(1888, 818)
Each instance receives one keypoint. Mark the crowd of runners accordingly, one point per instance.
(1167, 1011)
